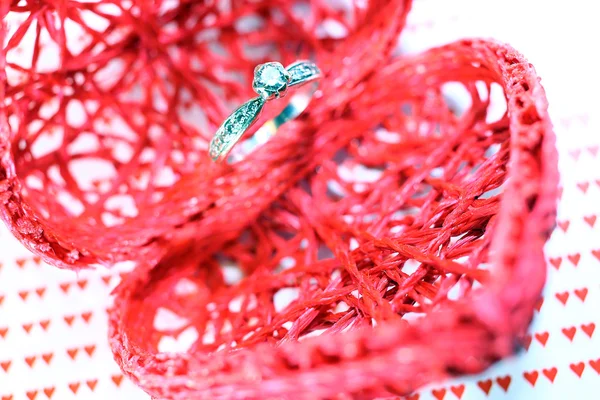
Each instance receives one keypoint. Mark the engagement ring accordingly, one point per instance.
(271, 82)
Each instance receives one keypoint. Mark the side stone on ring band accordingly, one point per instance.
(271, 81)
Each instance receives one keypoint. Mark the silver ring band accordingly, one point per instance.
(271, 81)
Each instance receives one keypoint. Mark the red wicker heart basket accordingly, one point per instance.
(390, 237)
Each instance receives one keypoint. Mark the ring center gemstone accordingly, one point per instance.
(270, 79)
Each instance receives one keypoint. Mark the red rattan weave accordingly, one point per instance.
(426, 264)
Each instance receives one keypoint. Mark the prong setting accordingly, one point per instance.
(271, 80)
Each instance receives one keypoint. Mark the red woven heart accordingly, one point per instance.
(297, 273)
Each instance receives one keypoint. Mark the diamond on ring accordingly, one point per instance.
(270, 80)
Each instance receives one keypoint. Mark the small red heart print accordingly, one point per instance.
(556, 262)
(583, 186)
(563, 297)
(74, 387)
(590, 220)
(542, 338)
(486, 386)
(439, 394)
(92, 384)
(5, 365)
(86, 316)
(531, 377)
(72, 353)
(550, 373)
(44, 324)
(47, 357)
(596, 253)
(49, 392)
(30, 361)
(574, 258)
(65, 287)
(504, 382)
(458, 390)
(117, 379)
(569, 332)
(588, 328)
(581, 293)
(90, 350)
(577, 368)
(563, 225)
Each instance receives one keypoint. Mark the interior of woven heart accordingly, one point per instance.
(395, 224)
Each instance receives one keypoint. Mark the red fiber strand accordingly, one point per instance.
(389, 237)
